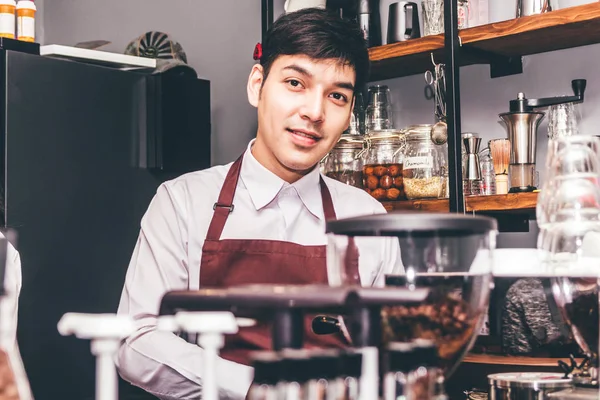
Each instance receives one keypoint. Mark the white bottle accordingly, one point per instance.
(26, 20)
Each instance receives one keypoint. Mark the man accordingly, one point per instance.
(260, 219)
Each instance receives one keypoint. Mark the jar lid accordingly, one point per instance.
(26, 5)
(397, 223)
(384, 135)
(350, 142)
(533, 380)
(418, 132)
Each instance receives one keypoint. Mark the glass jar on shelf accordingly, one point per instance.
(382, 172)
(424, 164)
(344, 162)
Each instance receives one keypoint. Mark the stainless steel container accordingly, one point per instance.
(526, 385)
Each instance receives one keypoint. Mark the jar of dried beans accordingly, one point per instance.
(382, 173)
(424, 163)
(344, 162)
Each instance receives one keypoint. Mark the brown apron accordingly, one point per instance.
(230, 262)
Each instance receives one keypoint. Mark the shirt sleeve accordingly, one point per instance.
(159, 362)
(10, 302)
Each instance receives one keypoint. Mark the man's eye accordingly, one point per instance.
(339, 96)
(294, 83)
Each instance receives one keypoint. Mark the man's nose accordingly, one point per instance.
(313, 108)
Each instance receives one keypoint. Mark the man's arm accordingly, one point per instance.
(161, 362)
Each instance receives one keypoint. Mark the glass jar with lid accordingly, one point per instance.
(424, 163)
(382, 173)
(344, 162)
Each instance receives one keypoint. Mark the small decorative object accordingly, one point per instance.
(168, 53)
(257, 52)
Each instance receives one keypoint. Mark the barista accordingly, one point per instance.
(261, 218)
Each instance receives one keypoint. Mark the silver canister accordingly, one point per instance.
(526, 385)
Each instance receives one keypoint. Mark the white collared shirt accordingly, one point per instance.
(169, 248)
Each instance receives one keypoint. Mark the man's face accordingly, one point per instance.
(304, 105)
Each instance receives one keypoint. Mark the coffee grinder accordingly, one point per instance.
(521, 124)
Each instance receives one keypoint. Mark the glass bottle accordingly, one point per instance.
(423, 164)
(400, 362)
(267, 369)
(378, 114)
(344, 162)
(488, 174)
(383, 164)
(294, 375)
(350, 373)
(324, 381)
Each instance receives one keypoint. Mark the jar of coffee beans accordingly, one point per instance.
(424, 163)
(382, 172)
(344, 162)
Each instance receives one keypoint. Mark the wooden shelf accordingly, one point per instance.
(492, 359)
(494, 203)
(556, 30)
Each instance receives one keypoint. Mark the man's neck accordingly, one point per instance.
(270, 162)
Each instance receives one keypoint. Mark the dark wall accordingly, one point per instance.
(75, 193)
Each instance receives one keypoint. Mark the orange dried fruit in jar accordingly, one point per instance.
(394, 170)
(380, 170)
(379, 194)
(386, 181)
(392, 194)
(369, 171)
(372, 182)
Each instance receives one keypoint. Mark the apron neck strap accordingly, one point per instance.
(224, 205)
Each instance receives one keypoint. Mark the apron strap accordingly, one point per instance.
(224, 205)
(328, 208)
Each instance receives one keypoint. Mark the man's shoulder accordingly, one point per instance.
(351, 201)
(205, 179)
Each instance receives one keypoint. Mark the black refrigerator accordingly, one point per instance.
(85, 148)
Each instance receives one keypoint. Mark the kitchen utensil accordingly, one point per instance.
(526, 385)
(522, 123)
(531, 7)
(437, 82)
(403, 22)
(500, 149)
(370, 21)
(472, 168)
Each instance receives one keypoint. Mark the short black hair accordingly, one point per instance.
(319, 34)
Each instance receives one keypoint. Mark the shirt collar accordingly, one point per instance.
(264, 186)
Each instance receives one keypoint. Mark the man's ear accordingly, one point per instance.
(255, 83)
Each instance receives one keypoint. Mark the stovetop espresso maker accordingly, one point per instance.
(521, 124)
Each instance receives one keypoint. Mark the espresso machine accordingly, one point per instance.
(521, 125)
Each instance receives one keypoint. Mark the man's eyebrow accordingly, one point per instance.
(344, 85)
(299, 70)
(302, 71)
